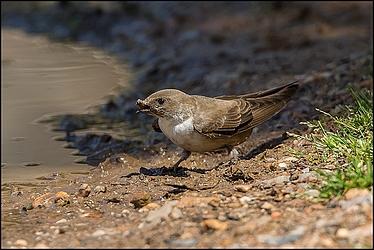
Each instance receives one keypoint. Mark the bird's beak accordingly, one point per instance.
(144, 107)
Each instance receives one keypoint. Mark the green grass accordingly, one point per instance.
(348, 144)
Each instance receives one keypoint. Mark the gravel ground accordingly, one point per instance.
(268, 198)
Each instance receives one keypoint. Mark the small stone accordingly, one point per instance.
(100, 188)
(276, 215)
(270, 159)
(245, 200)
(291, 159)
(141, 199)
(176, 213)
(305, 170)
(155, 216)
(317, 206)
(196, 201)
(305, 177)
(21, 243)
(149, 207)
(61, 221)
(243, 188)
(268, 206)
(98, 233)
(234, 205)
(126, 212)
(282, 165)
(342, 233)
(186, 242)
(288, 190)
(62, 198)
(61, 195)
(41, 245)
(214, 224)
(41, 199)
(356, 192)
(28, 206)
(84, 190)
(313, 192)
(327, 242)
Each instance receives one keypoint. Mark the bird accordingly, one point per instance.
(199, 123)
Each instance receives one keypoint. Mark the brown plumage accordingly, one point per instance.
(200, 124)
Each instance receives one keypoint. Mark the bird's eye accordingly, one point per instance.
(160, 101)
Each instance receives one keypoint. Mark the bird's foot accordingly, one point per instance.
(184, 156)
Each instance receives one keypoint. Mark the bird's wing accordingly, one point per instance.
(265, 104)
(241, 113)
(221, 118)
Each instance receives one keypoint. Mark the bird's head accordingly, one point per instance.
(171, 103)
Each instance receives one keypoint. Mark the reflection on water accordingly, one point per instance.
(39, 78)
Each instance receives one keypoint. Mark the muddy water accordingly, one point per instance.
(40, 78)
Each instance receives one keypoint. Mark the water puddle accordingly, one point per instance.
(38, 78)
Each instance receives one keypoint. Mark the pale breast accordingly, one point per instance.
(182, 134)
(185, 136)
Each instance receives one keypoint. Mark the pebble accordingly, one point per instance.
(41, 245)
(21, 243)
(222, 216)
(277, 180)
(154, 217)
(252, 225)
(313, 192)
(84, 190)
(126, 212)
(189, 242)
(237, 214)
(214, 224)
(276, 240)
(243, 188)
(276, 215)
(196, 201)
(291, 159)
(61, 221)
(307, 177)
(98, 233)
(327, 242)
(270, 159)
(149, 207)
(61, 195)
(305, 170)
(268, 206)
(234, 205)
(282, 165)
(141, 199)
(356, 192)
(176, 213)
(245, 200)
(100, 188)
(342, 233)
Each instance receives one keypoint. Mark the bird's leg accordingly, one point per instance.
(234, 154)
(185, 155)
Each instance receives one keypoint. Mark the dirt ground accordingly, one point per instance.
(268, 198)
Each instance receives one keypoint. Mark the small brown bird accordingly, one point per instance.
(201, 124)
